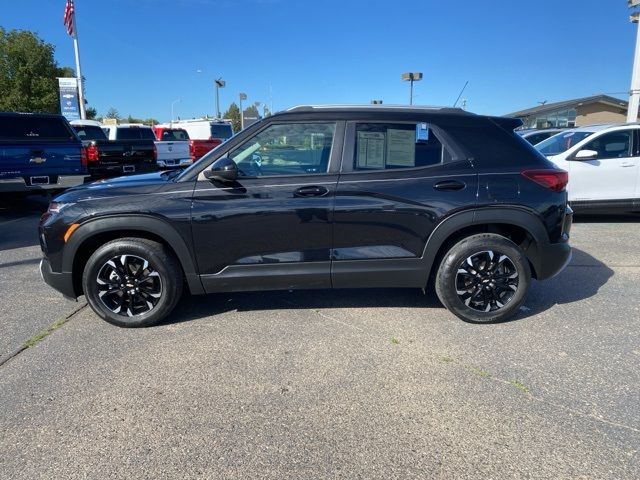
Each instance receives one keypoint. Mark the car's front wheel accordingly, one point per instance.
(132, 282)
(483, 278)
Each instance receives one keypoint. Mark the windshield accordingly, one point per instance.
(221, 130)
(174, 135)
(135, 133)
(561, 142)
(89, 132)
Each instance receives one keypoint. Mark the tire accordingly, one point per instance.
(483, 278)
(142, 279)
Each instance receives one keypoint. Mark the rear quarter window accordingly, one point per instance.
(28, 128)
(491, 143)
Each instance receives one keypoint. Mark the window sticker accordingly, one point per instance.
(422, 132)
(401, 148)
(370, 150)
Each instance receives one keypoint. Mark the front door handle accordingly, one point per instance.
(449, 185)
(311, 191)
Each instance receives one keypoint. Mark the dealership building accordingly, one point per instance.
(574, 113)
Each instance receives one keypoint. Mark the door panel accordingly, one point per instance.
(263, 222)
(612, 176)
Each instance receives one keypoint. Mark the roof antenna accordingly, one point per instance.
(543, 103)
(461, 92)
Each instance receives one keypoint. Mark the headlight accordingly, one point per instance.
(57, 207)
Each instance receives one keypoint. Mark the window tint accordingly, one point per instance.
(135, 133)
(221, 130)
(384, 146)
(27, 127)
(89, 132)
(174, 135)
(611, 145)
(286, 149)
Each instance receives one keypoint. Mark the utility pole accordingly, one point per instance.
(634, 93)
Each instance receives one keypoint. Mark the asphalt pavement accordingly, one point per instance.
(328, 384)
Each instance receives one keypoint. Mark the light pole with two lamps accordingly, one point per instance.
(414, 77)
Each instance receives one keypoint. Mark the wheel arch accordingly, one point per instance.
(94, 233)
(520, 225)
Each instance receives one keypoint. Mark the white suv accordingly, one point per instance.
(603, 162)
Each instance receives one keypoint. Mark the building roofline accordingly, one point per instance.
(548, 107)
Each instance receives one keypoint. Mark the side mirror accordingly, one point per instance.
(586, 155)
(223, 170)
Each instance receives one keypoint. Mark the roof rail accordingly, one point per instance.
(443, 109)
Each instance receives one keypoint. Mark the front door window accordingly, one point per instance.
(286, 149)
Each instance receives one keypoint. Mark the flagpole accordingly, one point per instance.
(83, 113)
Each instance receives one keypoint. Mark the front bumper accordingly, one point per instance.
(19, 184)
(62, 282)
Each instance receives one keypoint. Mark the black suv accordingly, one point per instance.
(322, 197)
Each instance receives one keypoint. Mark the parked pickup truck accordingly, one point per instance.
(173, 147)
(125, 155)
(204, 134)
(39, 152)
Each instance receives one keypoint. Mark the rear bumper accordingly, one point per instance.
(101, 171)
(19, 184)
(62, 282)
(552, 258)
(175, 163)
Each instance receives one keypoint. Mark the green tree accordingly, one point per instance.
(28, 73)
(92, 113)
(112, 113)
(233, 114)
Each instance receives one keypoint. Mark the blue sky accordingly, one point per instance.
(140, 55)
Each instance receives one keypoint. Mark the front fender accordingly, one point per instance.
(142, 224)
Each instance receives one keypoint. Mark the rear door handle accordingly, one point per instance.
(449, 185)
(311, 191)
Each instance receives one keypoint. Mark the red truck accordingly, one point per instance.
(204, 134)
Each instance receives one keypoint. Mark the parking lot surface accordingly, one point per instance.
(327, 384)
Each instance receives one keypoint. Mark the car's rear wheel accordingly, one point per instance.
(483, 278)
(132, 282)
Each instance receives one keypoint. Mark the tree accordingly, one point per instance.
(233, 114)
(92, 113)
(112, 113)
(28, 73)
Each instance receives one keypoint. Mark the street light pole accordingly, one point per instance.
(172, 104)
(413, 77)
(243, 96)
(219, 84)
(634, 93)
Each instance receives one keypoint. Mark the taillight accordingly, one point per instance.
(555, 180)
(155, 153)
(83, 156)
(93, 154)
(192, 151)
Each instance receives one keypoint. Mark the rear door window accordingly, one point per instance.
(27, 127)
(388, 146)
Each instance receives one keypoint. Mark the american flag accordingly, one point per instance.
(69, 15)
